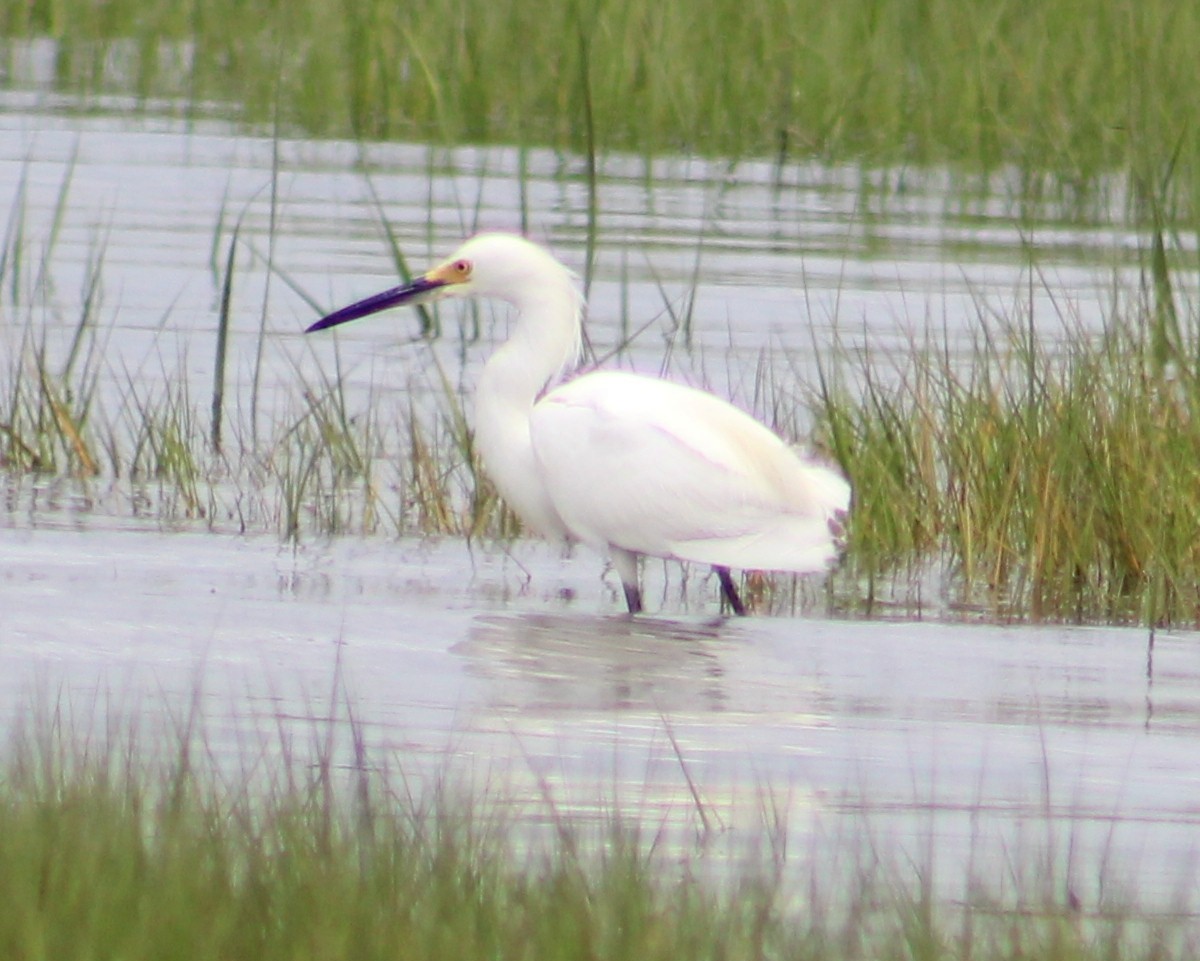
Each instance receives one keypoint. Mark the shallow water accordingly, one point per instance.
(991, 758)
(975, 750)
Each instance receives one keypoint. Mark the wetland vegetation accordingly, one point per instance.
(1054, 471)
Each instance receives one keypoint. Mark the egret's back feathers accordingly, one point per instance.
(682, 474)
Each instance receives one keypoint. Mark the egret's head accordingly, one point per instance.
(505, 266)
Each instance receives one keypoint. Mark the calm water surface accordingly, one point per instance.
(972, 748)
(983, 754)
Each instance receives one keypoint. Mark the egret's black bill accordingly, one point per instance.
(412, 293)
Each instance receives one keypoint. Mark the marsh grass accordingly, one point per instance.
(1051, 470)
(113, 846)
(319, 466)
(151, 442)
(1062, 91)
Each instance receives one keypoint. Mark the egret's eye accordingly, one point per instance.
(462, 269)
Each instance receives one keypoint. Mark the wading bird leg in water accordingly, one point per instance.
(729, 591)
(633, 598)
(625, 564)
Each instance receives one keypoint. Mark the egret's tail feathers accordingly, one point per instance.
(803, 546)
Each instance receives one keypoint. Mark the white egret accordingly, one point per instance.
(629, 464)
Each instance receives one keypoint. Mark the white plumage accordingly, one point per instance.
(628, 464)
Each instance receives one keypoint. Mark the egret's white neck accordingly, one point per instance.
(545, 340)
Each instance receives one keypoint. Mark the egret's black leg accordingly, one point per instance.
(633, 597)
(729, 592)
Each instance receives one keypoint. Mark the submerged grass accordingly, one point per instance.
(104, 853)
(1062, 90)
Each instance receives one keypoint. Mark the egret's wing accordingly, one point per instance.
(666, 470)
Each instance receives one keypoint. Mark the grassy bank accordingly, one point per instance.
(105, 854)
(1063, 88)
